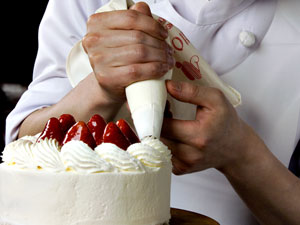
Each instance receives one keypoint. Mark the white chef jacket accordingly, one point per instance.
(266, 73)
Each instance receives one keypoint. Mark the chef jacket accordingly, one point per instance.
(253, 45)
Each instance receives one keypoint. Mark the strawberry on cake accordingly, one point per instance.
(85, 174)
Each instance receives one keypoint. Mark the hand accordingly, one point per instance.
(217, 137)
(126, 46)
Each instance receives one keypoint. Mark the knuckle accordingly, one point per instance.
(155, 69)
(218, 95)
(155, 27)
(195, 160)
(138, 36)
(202, 142)
(131, 17)
(104, 82)
(141, 51)
(180, 169)
(89, 41)
(133, 73)
(194, 91)
(99, 78)
(96, 59)
(102, 78)
(94, 18)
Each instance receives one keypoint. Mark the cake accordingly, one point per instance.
(85, 174)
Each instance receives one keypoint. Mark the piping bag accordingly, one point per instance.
(147, 99)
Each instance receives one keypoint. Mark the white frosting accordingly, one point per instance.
(151, 152)
(47, 156)
(119, 158)
(19, 154)
(47, 198)
(78, 156)
(158, 146)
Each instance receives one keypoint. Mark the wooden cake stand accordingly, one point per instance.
(182, 217)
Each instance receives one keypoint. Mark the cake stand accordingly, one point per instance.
(183, 217)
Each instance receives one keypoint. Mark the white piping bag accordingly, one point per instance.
(147, 99)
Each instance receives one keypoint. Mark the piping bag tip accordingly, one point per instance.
(148, 121)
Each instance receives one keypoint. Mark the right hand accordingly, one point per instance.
(126, 46)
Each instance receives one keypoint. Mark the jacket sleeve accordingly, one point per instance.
(63, 24)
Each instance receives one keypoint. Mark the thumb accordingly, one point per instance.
(195, 94)
(142, 7)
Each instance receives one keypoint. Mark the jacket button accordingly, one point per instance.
(247, 38)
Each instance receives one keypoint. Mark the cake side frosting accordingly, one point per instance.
(33, 198)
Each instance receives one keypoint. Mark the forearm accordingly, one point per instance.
(86, 99)
(269, 189)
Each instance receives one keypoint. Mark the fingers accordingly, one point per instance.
(142, 7)
(179, 167)
(198, 95)
(118, 38)
(125, 75)
(184, 130)
(131, 54)
(127, 20)
(185, 158)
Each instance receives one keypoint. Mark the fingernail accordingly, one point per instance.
(170, 50)
(164, 33)
(171, 60)
(176, 86)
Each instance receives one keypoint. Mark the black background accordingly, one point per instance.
(20, 38)
(19, 21)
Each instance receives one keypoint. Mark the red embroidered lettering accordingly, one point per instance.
(186, 40)
(177, 43)
(161, 20)
(169, 26)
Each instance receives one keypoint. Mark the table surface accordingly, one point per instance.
(182, 217)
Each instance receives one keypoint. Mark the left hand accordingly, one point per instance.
(217, 138)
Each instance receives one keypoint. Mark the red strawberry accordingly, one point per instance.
(52, 130)
(113, 134)
(80, 131)
(66, 121)
(96, 126)
(127, 131)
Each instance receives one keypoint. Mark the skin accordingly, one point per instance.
(128, 46)
(219, 139)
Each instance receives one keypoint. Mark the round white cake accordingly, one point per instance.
(41, 183)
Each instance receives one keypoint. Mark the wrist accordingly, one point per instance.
(88, 98)
(251, 154)
(103, 102)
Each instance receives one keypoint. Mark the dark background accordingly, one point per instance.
(20, 21)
